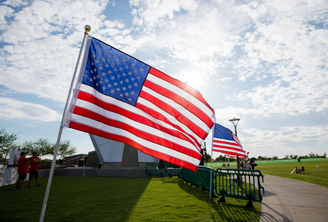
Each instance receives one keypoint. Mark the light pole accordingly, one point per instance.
(235, 123)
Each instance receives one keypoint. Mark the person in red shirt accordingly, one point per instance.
(22, 164)
(34, 169)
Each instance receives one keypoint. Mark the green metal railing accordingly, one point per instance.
(162, 169)
(239, 183)
(236, 183)
(201, 177)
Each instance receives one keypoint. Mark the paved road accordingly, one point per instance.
(293, 200)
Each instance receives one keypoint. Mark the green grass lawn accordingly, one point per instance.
(120, 199)
(139, 199)
(311, 175)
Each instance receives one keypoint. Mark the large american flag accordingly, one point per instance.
(225, 141)
(121, 98)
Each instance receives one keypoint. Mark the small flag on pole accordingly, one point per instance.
(121, 98)
(225, 141)
(246, 157)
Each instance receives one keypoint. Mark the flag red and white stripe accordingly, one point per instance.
(229, 148)
(225, 141)
(235, 156)
(169, 120)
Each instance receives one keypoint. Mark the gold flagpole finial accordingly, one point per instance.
(87, 29)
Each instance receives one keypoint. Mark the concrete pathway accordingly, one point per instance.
(293, 200)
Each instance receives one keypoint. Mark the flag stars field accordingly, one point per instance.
(119, 73)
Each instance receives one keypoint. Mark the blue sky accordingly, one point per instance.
(264, 62)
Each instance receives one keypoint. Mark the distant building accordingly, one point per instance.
(93, 160)
(117, 155)
(75, 160)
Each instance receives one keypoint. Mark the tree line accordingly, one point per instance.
(287, 156)
(291, 156)
(41, 146)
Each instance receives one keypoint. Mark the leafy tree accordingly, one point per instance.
(41, 146)
(28, 147)
(275, 158)
(304, 157)
(44, 147)
(7, 141)
(66, 149)
(233, 159)
(293, 156)
(220, 158)
(208, 157)
(312, 155)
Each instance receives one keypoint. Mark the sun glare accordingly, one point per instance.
(193, 78)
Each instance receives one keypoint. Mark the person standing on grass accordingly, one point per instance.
(242, 164)
(34, 169)
(252, 161)
(253, 164)
(22, 164)
(247, 165)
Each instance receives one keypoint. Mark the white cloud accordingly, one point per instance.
(158, 63)
(42, 19)
(222, 115)
(15, 3)
(42, 46)
(278, 41)
(15, 109)
(199, 39)
(301, 96)
(288, 46)
(154, 13)
(204, 35)
(5, 12)
(280, 142)
(224, 79)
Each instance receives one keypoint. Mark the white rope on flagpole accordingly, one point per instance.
(46, 196)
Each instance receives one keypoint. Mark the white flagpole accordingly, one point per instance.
(209, 198)
(45, 201)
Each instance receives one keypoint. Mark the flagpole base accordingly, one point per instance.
(249, 204)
